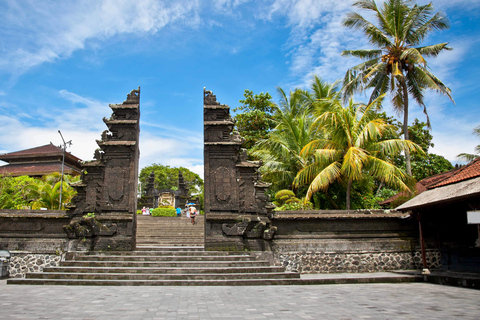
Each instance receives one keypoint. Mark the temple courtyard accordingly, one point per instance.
(343, 301)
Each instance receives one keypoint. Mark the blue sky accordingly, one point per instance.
(63, 62)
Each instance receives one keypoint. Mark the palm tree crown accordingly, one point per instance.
(396, 65)
(351, 147)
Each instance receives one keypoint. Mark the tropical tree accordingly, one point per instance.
(45, 193)
(166, 177)
(396, 65)
(255, 120)
(351, 148)
(471, 156)
(319, 91)
(280, 150)
(27, 192)
(15, 192)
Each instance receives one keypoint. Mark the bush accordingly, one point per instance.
(164, 211)
(285, 196)
(295, 205)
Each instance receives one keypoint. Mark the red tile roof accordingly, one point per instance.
(469, 171)
(46, 149)
(42, 151)
(36, 169)
(423, 185)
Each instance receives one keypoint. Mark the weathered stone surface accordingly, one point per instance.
(313, 262)
(20, 263)
(233, 185)
(108, 186)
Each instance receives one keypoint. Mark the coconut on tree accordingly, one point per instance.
(397, 64)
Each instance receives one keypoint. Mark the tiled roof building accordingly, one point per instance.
(39, 161)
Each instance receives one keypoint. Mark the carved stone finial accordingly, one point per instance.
(97, 154)
(209, 98)
(133, 96)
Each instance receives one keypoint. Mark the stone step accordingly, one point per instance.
(171, 236)
(191, 270)
(162, 258)
(169, 248)
(223, 282)
(164, 264)
(157, 276)
(170, 252)
(171, 243)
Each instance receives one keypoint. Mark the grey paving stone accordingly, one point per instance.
(359, 301)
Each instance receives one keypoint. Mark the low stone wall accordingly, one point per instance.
(347, 241)
(311, 262)
(36, 231)
(23, 262)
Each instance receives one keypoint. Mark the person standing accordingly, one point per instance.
(144, 211)
(179, 212)
(193, 213)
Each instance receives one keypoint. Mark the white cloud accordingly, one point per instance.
(175, 152)
(52, 30)
(83, 125)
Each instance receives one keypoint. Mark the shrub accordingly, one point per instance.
(295, 205)
(164, 211)
(285, 196)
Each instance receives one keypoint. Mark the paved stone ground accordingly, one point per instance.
(356, 301)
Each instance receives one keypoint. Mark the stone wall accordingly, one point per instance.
(33, 230)
(23, 262)
(318, 262)
(347, 241)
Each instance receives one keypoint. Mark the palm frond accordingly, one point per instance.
(363, 53)
(324, 179)
(434, 50)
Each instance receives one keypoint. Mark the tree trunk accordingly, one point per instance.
(408, 164)
(349, 191)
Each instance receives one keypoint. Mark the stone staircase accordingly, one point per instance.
(169, 231)
(169, 252)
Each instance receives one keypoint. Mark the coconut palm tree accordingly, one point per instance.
(280, 150)
(351, 148)
(396, 65)
(319, 91)
(471, 156)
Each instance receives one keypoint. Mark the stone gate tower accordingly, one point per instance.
(236, 206)
(108, 186)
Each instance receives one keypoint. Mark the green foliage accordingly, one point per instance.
(429, 165)
(295, 205)
(280, 150)
(285, 196)
(15, 192)
(166, 177)
(395, 65)
(352, 148)
(255, 121)
(423, 164)
(164, 211)
(32, 193)
(89, 215)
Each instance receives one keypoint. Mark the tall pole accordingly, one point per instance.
(63, 165)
